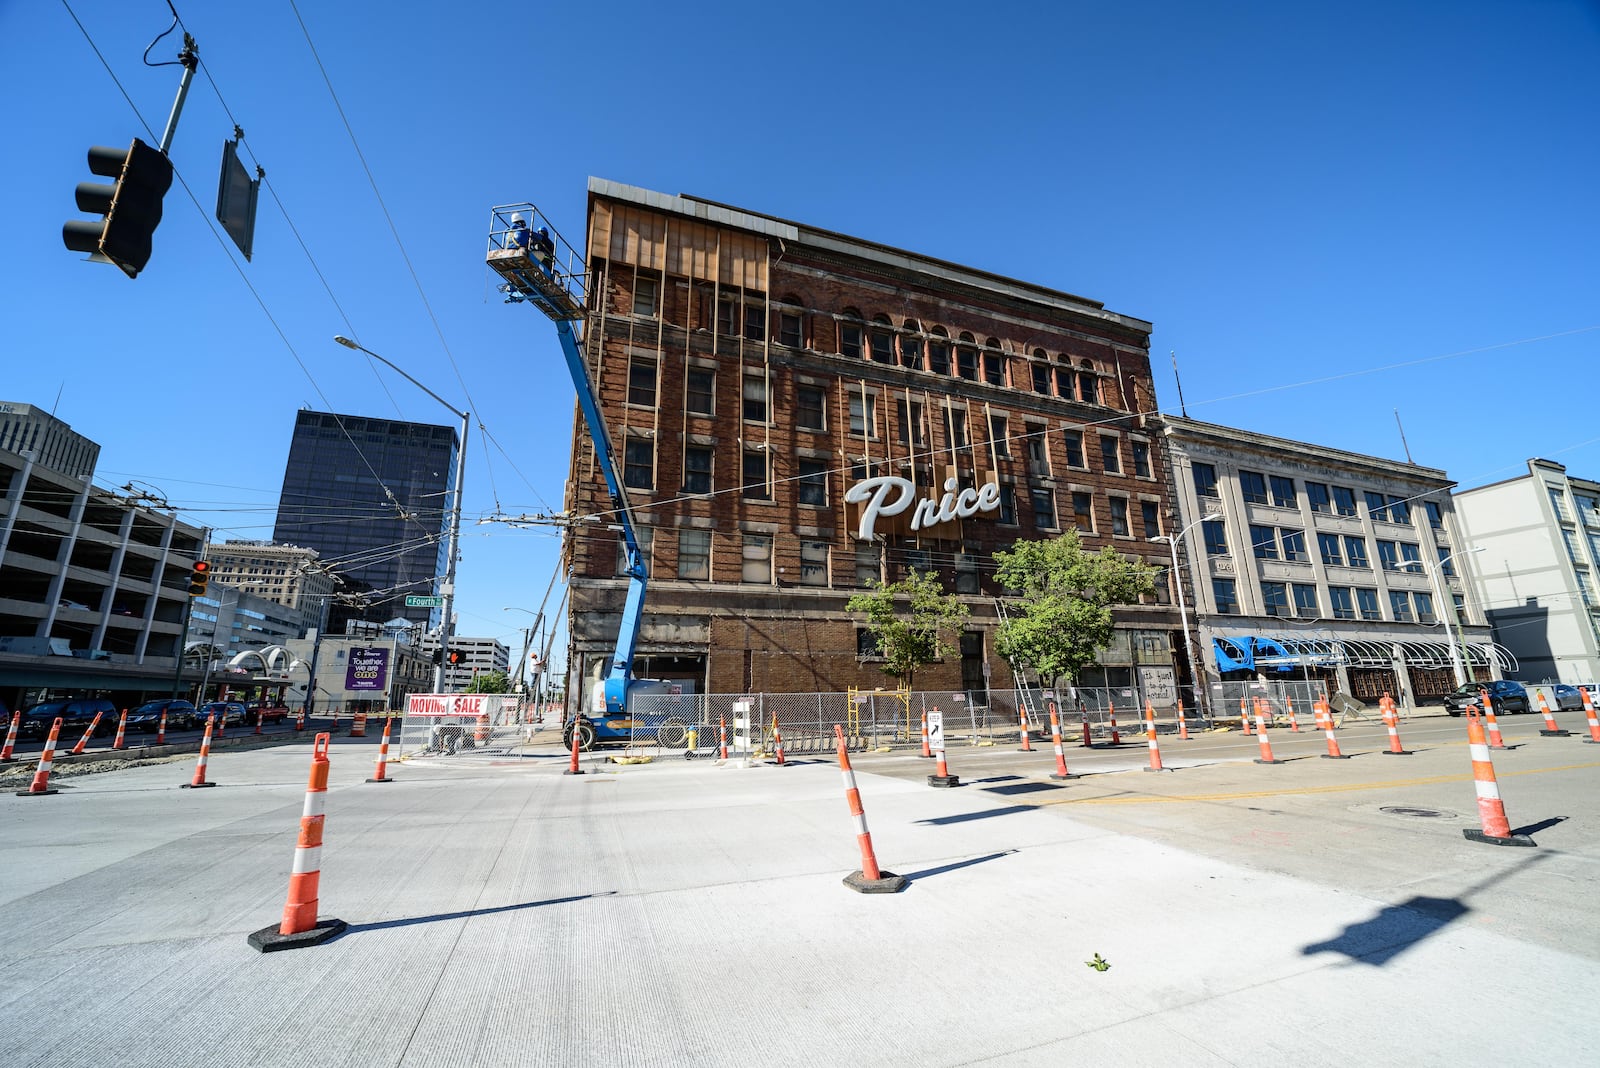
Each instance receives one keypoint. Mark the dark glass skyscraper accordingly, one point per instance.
(373, 497)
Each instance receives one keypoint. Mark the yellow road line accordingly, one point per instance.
(1246, 795)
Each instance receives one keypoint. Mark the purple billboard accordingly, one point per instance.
(368, 669)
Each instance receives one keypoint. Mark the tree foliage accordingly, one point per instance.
(489, 682)
(1062, 619)
(913, 622)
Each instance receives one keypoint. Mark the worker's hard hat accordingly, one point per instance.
(517, 217)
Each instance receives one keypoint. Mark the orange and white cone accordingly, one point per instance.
(1061, 771)
(383, 753)
(1391, 720)
(199, 779)
(1083, 713)
(1244, 715)
(161, 729)
(941, 773)
(1552, 729)
(1150, 738)
(84, 741)
(41, 774)
(1325, 721)
(927, 754)
(120, 742)
(1594, 722)
(1294, 724)
(1022, 720)
(1111, 711)
(777, 738)
(11, 739)
(574, 769)
(1491, 811)
(1183, 723)
(358, 726)
(480, 733)
(722, 736)
(1266, 756)
(301, 926)
(1495, 741)
(300, 719)
(870, 879)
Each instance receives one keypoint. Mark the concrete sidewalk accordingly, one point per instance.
(692, 913)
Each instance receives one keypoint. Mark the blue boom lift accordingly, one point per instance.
(538, 267)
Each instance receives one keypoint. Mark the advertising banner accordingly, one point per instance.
(368, 669)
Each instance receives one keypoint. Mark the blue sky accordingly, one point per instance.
(1329, 212)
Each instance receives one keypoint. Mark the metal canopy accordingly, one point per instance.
(1286, 653)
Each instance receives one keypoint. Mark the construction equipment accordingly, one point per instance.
(537, 266)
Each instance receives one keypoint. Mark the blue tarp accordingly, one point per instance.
(1238, 653)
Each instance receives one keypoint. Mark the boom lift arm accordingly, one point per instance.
(538, 267)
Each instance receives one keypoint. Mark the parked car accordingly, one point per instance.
(228, 713)
(75, 713)
(1567, 698)
(269, 713)
(147, 717)
(1504, 695)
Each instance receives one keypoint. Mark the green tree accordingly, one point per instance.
(910, 621)
(489, 682)
(1063, 618)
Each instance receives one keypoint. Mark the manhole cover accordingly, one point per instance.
(1418, 813)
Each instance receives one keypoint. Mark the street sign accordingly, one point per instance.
(417, 600)
(936, 730)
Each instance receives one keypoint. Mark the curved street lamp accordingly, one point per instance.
(1201, 697)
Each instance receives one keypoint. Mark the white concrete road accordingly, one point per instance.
(675, 912)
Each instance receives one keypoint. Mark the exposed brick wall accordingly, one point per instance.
(819, 653)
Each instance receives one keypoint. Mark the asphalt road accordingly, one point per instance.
(1314, 912)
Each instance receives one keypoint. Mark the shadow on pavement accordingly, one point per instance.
(941, 869)
(1535, 828)
(358, 928)
(939, 821)
(1022, 788)
(1392, 931)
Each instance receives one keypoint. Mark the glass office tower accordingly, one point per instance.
(373, 497)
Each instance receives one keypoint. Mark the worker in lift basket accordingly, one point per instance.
(544, 250)
(518, 236)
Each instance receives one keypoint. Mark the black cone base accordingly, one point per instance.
(268, 940)
(384, 779)
(944, 780)
(1489, 839)
(36, 793)
(886, 883)
(1396, 752)
(1264, 760)
(1554, 734)
(197, 785)
(1330, 756)
(1069, 775)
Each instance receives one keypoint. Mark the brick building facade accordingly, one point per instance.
(752, 371)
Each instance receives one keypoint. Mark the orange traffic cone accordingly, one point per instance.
(1391, 720)
(870, 879)
(1594, 722)
(41, 774)
(1491, 811)
(1551, 728)
(1150, 737)
(1061, 771)
(1266, 756)
(199, 779)
(301, 926)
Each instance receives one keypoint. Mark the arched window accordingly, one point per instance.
(790, 325)
(967, 358)
(851, 333)
(1039, 370)
(880, 339)
(911, 345)
(1064, 382)
(1088, 383)
(939, 351)
(994, 363)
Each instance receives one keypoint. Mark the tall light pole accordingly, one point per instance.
(1201, 697)
(1464, 669)
(446, 625)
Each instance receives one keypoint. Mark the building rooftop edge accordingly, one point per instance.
(828, 240)
(1235, 434)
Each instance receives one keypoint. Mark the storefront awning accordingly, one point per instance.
(1278, 652)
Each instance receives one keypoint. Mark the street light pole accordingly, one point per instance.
(446, 625)
(1201, 697)
(1463, 669)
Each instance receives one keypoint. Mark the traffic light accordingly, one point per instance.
(199, 575)
(131, 208)
(455, 658)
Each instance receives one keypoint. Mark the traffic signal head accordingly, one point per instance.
(131, 207)
(199, 576)
(455, 658)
